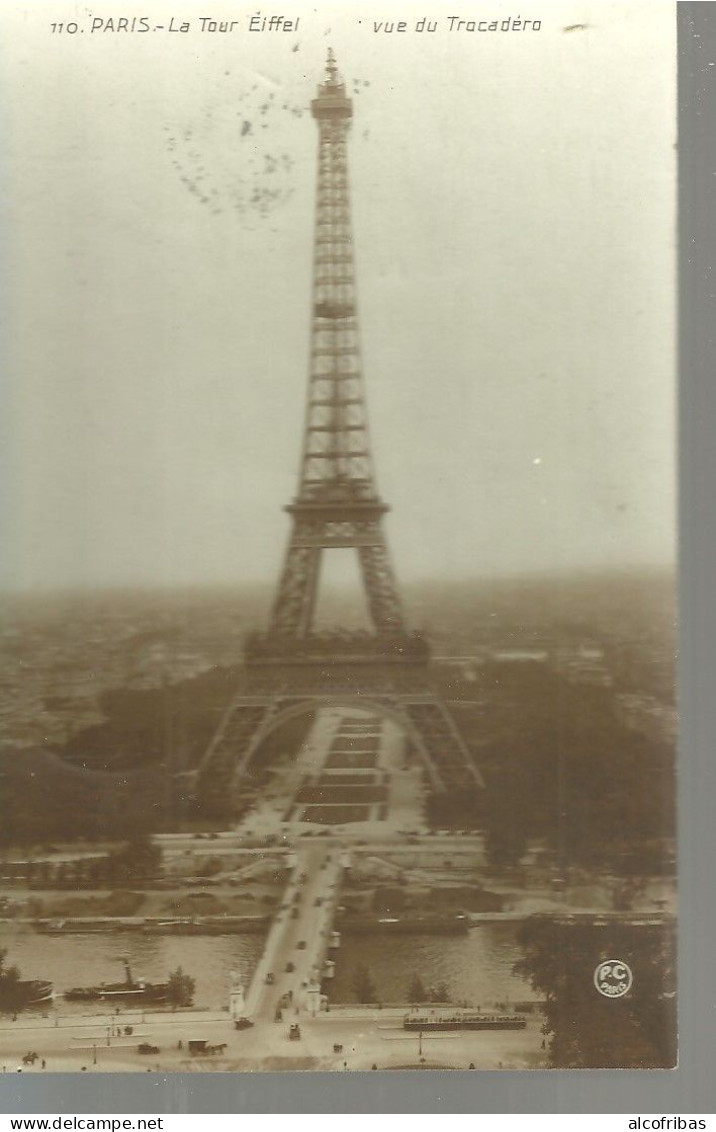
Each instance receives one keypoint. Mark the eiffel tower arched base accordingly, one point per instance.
(272, 693)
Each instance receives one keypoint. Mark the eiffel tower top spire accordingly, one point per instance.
(336, 462)
(332, 87)
(331, 66)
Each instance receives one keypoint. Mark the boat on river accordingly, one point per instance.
(404, 925)
(85, 926)
(127, 991)
(206, 925)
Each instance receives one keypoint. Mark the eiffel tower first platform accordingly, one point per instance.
(292, 668)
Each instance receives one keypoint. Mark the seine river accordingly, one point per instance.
(477, 967)
(87, 960)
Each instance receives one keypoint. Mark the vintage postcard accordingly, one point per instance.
(338, 626)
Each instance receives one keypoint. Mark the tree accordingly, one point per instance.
(139, 859)
(363, 985)
(11, 997)
(505, 842)
(43, 873)
(210, 867)
(388, 899)
(417, 991)
(588, 1030)
(180, 988)
(440, 993)
(457, 809)
(98, 872)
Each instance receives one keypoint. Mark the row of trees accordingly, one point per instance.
(419, 993)
(562, 767)
(120, 776)
(45, 799)
(366, 991)
(137, 861)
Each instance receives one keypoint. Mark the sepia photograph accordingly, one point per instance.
(337, 600)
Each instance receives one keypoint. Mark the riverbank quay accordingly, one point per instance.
(347, 1038)
(198, 925)
(353, 924)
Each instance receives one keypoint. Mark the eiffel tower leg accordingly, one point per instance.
(414, 737)
(244, 726)
(296, 599)
(380, 588)
(442, 744)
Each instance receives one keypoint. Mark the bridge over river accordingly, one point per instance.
(299, 938)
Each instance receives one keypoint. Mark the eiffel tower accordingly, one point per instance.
(292, 668)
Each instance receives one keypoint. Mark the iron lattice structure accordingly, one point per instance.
(337, 504)
(291, 667)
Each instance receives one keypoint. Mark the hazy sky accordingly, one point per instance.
(513, 207)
